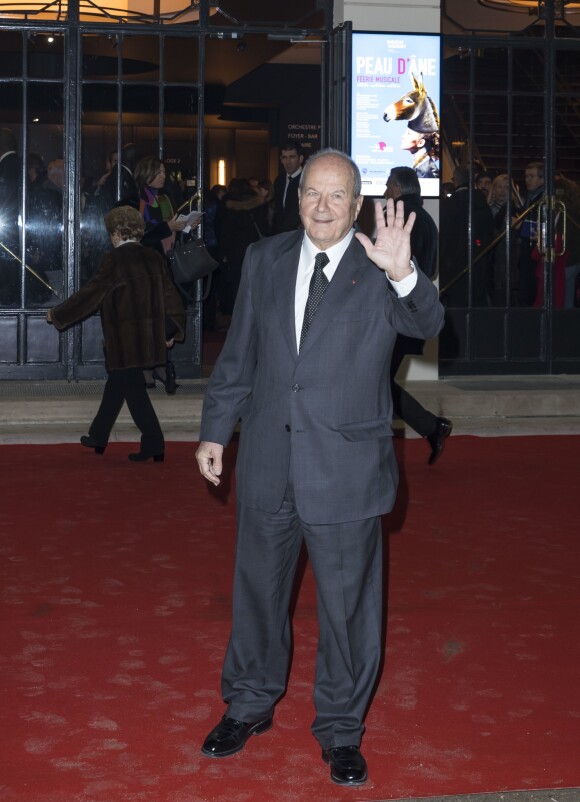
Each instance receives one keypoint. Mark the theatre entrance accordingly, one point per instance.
(88, 89)
(510, 107)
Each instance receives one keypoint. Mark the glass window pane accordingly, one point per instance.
(455, 110)
(46, 55)
(180, 59)
(11, 49)
(100, 57)
(99, 100)
(568, 69)
(46, 190)
(11, 197)
(529, 69)
(491, 69)
(180, 147)
(567, 136)
(100, 179)
(143, 101)
(140, 60)
(136, 58)
(491, 132)
(455, 74)
(528, 144)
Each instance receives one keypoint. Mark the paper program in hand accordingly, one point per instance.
(191, 219)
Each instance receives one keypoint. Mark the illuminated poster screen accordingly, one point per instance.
(395, 108)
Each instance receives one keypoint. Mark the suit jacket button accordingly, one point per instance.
(295, 387)
(287, 427)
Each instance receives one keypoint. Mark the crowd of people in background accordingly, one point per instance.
(245, 211)
(507, 254)
(500, 266)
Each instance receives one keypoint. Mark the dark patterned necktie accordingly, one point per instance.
(318, 285)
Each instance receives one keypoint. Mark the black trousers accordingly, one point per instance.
(406, 407)
(128, 385)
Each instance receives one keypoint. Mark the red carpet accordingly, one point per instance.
(114, 619)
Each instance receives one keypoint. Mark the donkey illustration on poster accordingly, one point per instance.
(421, 137)
(416, 107)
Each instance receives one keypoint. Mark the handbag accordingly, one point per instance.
(191, 261)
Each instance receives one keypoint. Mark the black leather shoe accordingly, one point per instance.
(89, 442)
(438, 438)
(143, 456)
(231, 735)
(347, 765)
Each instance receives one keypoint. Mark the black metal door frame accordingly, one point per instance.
(503, 341)
(76, 355)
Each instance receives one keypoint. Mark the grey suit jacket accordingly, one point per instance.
(325, 413)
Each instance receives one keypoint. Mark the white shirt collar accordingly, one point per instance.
(294, 174)
(334, 253)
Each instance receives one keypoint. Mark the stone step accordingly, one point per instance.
(483, 406)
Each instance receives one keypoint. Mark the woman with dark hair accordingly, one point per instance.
(155, 206)
(141, 315)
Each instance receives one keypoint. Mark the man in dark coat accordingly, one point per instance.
(305, 366)
(403, 184)
(454, 250)
(128, 192)
(286, 214)
(141, 315)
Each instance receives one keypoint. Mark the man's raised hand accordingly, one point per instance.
(391, 250)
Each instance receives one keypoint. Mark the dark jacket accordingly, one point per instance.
(424, 235)
(129, 194)
(286, 216)
(323, 413)
(134, 294)
(239, 227)
(454, 249)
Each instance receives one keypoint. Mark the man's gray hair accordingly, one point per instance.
(357, 181)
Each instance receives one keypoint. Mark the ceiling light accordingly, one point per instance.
(113, 10)
(561, 7)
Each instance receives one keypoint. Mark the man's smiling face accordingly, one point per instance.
(328, 207)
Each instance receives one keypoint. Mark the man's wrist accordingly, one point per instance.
(406, 284)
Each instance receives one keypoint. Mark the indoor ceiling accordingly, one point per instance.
(459, 16)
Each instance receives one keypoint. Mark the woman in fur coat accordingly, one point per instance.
(141, 315)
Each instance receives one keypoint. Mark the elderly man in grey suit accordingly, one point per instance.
(306, 368)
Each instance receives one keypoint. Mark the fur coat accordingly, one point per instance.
(139, 305)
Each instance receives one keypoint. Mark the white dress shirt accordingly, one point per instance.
(335, 254)
(295, 174)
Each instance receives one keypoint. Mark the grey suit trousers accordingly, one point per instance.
(346, 559)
